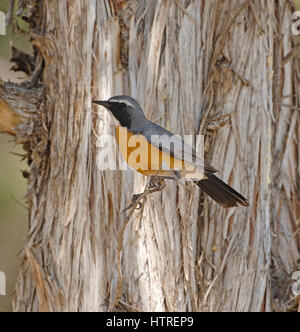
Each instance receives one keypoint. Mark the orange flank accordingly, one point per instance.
(147, 159)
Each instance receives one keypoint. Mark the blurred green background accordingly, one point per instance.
(13, 217)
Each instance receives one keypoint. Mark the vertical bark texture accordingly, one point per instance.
(212, 67)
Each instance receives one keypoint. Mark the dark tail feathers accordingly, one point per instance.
(221, 192)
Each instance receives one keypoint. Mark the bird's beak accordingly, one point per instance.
(104, 103)
(107, 105)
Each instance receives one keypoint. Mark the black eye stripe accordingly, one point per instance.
(117, 103)
(121, 103)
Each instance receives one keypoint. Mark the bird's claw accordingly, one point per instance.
(133, 201)
(155, 184)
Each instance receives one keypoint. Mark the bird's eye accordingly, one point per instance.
(123, 105)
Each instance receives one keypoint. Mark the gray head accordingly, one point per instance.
(126, 110)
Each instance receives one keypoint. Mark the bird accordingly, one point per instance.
(177, 160)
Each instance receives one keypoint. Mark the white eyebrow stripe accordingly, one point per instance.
(125, 101)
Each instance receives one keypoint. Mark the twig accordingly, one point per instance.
(129, 306)
(295, 51)
(153, 186)
(291, 107)
(223, 264)
(10, 12)
(19, 203)
(253, 9)
(242, 79)
(190, 16)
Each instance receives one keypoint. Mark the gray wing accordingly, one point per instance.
(173, 145)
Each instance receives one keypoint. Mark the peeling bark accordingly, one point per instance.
(219, 68)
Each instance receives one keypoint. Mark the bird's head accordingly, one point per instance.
(125, 109)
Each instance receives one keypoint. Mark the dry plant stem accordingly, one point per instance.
(221, 268)
(154, 185)
(10, 12)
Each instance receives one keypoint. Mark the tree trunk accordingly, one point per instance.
(220, 68)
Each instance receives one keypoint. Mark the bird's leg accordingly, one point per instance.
(135, 199)
(155, 184)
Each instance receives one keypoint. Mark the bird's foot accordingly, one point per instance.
(134, 199)
(155, 184)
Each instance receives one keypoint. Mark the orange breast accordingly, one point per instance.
(145, 158)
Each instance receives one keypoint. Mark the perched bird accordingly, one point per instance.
(155, 152)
